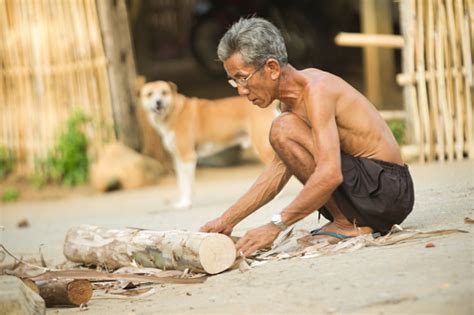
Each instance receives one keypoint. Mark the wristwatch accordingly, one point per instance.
(277, 220)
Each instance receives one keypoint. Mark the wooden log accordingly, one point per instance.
(30, 284)
(200, 252)
(16, 298)
(372, 40)
(65, 292)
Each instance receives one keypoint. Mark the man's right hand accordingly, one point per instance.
(217, 225)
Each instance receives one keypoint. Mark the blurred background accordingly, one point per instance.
(70, 73)
(177, 40)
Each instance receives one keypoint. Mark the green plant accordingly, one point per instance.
(10, 194)
(398, 129)
(7, 162)
(67, 163)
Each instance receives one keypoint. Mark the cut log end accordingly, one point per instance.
(79, 291)
(65, 292)
(217, 253)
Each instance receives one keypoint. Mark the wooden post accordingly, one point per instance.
(121, 68)
(408, 18)
(379, 66)
(201, 252)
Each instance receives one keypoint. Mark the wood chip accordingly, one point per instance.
(468, 220)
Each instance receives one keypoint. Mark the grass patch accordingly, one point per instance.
(10, 194)
(398, 128)
(67, 163)
(7, 162)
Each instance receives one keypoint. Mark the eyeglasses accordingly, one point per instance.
(243, 81)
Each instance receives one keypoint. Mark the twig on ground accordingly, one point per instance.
(20, 261)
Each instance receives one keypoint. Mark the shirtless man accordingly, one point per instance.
(329, 136)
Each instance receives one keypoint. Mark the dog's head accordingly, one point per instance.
(158, 97)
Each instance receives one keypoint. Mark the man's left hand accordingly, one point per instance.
(258, 238)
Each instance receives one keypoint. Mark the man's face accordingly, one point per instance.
(253, 83)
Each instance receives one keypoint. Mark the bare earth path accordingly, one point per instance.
(400, 279)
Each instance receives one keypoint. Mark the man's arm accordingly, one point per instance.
(321, 110)
(266, 187)
(320, 107)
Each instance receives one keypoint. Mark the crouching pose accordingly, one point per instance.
(329, 136)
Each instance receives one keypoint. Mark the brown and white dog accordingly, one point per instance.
(194, 127)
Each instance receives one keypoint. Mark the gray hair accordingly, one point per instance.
(256, 39)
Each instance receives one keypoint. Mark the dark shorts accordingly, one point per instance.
(373, 193)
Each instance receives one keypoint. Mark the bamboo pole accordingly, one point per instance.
(105, 98)
(51, 65)
(453, 27)
(425, 130)
(468, 74)
(432, 92)
(442, 89)
(408, 16)
(366, 40)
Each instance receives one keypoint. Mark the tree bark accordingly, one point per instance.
(65, 292)
(180, 250)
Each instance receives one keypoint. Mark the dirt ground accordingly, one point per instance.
(406, 278)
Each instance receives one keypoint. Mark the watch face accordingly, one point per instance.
(276, 218)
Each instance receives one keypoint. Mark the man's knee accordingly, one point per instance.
(279, 134)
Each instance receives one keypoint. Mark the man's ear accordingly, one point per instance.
(274, 67)
(173, 87)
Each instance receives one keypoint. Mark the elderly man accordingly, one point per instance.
(328, 135)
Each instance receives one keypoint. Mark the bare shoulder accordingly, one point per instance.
(323, 83)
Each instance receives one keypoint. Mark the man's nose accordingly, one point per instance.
(242, 90)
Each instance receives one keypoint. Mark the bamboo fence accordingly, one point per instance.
(438, 76)
(52, 63)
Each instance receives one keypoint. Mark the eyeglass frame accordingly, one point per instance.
(244, 81)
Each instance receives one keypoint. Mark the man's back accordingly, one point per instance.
(362, 131)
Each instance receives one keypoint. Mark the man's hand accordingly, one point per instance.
(217, 225)
(257, 238)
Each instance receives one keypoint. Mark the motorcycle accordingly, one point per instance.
(214, 17)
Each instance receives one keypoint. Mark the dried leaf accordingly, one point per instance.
(290, 247)
(244, 266)
(2, 256)
(142, 292)
(98, 275)
(148, 271)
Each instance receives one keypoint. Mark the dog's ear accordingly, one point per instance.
(140, 81)
(173, 87)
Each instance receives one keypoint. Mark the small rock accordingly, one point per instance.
(188, 294)
(429, 245)
(24, 223)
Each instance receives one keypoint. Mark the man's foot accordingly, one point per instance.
(334, 232)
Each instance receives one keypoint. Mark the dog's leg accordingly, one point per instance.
(185, 172)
